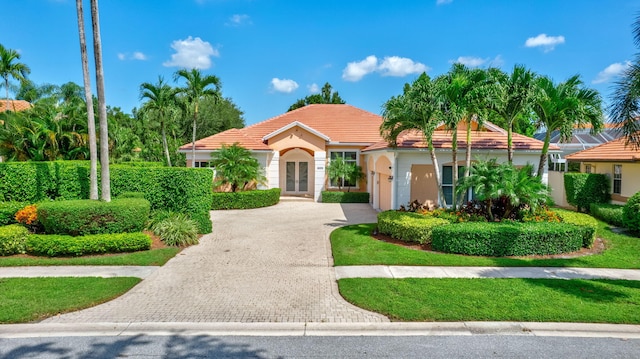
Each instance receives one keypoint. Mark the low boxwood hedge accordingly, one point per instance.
(631, 214)
(583, 220)
(245, 199)
(508, 239)
(610, 213)
(12, 239)
(82, 217)
(345, 197)
(62, 245)
(408, 227)
(8, 212)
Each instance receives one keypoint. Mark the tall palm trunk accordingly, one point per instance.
(193, 142)
(454, 154)
(510, 141)
(102, 106)
(165, 144)
(93, 151)
(543, 154)
(442, 202)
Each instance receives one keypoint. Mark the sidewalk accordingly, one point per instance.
(77, 271)
(383, 271)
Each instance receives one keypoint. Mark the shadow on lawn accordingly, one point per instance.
(592, 290)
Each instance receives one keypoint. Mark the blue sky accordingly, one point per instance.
(270, 53)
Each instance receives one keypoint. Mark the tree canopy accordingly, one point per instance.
(326, 96)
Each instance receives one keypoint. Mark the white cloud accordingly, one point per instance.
(139, 56)
(355, 71)
(238, 20)
(472, 61)
(121, 56)
(192, 54)
(443, 2)
(314, 88)
(389, 66)
(548, 43)
(400, 66)
(611, 71)
(283, 85)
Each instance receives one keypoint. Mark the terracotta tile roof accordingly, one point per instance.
(490, 138)
(341, 123)
(14, 105)
(611, 151)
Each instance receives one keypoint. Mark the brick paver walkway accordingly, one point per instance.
(263, 265)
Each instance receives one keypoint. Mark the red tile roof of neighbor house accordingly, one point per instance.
(14, 105)
(611, 151)
(489, 138)
(341, 123)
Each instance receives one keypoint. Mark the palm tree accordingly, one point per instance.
(415, 109)
(236, 166)
(9, 67)
(625, 101)
(563, 106)
(161, 98)
(510, 96)
(105, 177)
(198, 87)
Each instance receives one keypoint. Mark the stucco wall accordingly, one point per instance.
(297, 137)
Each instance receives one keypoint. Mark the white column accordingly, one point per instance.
(320, 159)
(273, 170)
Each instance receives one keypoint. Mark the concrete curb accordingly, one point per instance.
(77, 271)
(322, 329)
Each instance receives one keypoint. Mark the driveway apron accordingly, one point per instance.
(268, 264)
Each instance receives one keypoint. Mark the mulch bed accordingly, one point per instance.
(598, 247)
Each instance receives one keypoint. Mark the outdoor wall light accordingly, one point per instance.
(373, 173)
(390, 178)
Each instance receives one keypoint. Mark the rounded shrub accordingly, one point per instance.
(408, 227)
(54, 245)
(176, 230)
(631, 214)
(81, 217)
(8, 212)
(588, 223)
(508, 239)
(245, 199)
(12, 239)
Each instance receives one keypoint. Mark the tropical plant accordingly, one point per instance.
(176, 230)
(509, 97)
(235, 166)
(161, 103)
(10, 67)
(326, 96)
(625, 100)
(564, 106)
(414, 110)
(197, 88)
(339, 169)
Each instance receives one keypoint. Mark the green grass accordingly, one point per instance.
(543, 300)
(353, 245)
(30, 299)
(153, 257)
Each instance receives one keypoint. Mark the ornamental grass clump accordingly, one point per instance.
(176, 230)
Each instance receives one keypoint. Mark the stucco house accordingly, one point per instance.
(619, 162)
(295, 148)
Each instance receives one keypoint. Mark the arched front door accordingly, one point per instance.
(296, 173)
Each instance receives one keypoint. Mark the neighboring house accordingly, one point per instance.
(619, 162)
(294, 149)
(14, 105)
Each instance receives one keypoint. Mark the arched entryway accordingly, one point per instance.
(297, 173)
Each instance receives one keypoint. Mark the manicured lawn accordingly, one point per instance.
(31, 299)
(352, 245)
(153, 257)
(543, 300)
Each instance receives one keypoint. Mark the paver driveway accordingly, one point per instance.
(262, 265)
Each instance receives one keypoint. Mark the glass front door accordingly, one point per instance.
(297, 177)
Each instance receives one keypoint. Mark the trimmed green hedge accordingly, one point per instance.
(508, 239)
(631, 214)
(8, 212)
(82, 217)
(12, 239)
(610, 213)
(179, 189)
(583, 220)
(345, 197)
(582, 189)
(61, 245)
(408, 226)
(245, 199)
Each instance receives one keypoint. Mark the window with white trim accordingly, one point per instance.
(617, 179)
(350, 157)
(588, 168)
(201, 164)
(447, 184)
